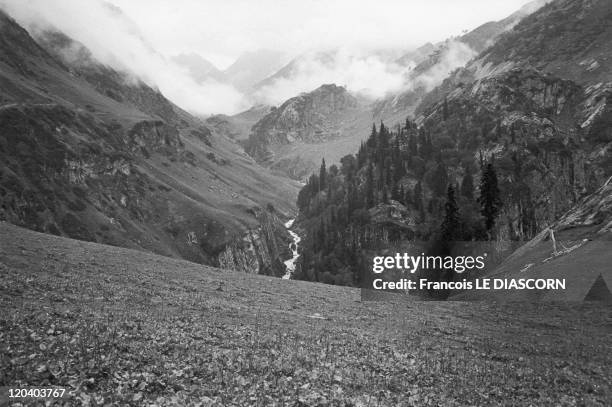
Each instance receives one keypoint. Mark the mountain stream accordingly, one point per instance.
(290, 264)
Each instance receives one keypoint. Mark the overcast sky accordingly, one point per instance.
(220, 30)
(140, 39)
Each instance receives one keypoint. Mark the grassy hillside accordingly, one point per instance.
(582, 240)
(568, 38)
(125, 327)
(88, 153)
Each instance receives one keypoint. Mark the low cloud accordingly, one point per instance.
(371, 76)
(114, 40)
(451, 55)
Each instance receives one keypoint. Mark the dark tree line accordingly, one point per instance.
(401, 171)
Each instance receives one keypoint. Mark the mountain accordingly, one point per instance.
(525, 122)
(96, 154)
(252, 67)
(430, 65)
(487, 34)
(293, 138)
(416, 56)
(238, 126)
(567, 39)
(292, 68)
(441, 60)
(545, 133)
(245, 73)
(79, 62)
(199, 68)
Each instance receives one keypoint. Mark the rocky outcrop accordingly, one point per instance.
(593, 212)
(544, 133)
(80, 170)
(153, 135)
(60, 168)
(307, 117)
(260, 250)
(238, 127)
(320, 124)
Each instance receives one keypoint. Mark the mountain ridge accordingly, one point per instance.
(91, 154)
(543, 141)
(294, 137)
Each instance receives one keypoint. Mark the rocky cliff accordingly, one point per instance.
(538, 100)
(544, 133)
(258, 250)
(294, 137)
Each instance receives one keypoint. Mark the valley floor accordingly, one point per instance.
(119, 327)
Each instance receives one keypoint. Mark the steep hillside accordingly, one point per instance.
(433, 64)
(238, 126)
(538, 141)
(252, 67)
(123, 327)
(543, 132)
(118, 86)
(199, 68)
(567, 39)
(575, 248)
(416, 56)
(292, 68)
(293, 138)
(442, 59)
(91, 153)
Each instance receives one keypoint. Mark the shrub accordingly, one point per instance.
(74, 228)
(76, 205)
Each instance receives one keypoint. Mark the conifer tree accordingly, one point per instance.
(322, 176)
(412, 144)
(361, 155)
(450, 225)
(395, 193)
(467, 185)
(322, 234)
(422, 143)
(369, 186)
(440, 179)
(407, 196)
(372, 140)
(489, 199)
(418, 200)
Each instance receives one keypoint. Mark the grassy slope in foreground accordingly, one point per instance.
(125, 327)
